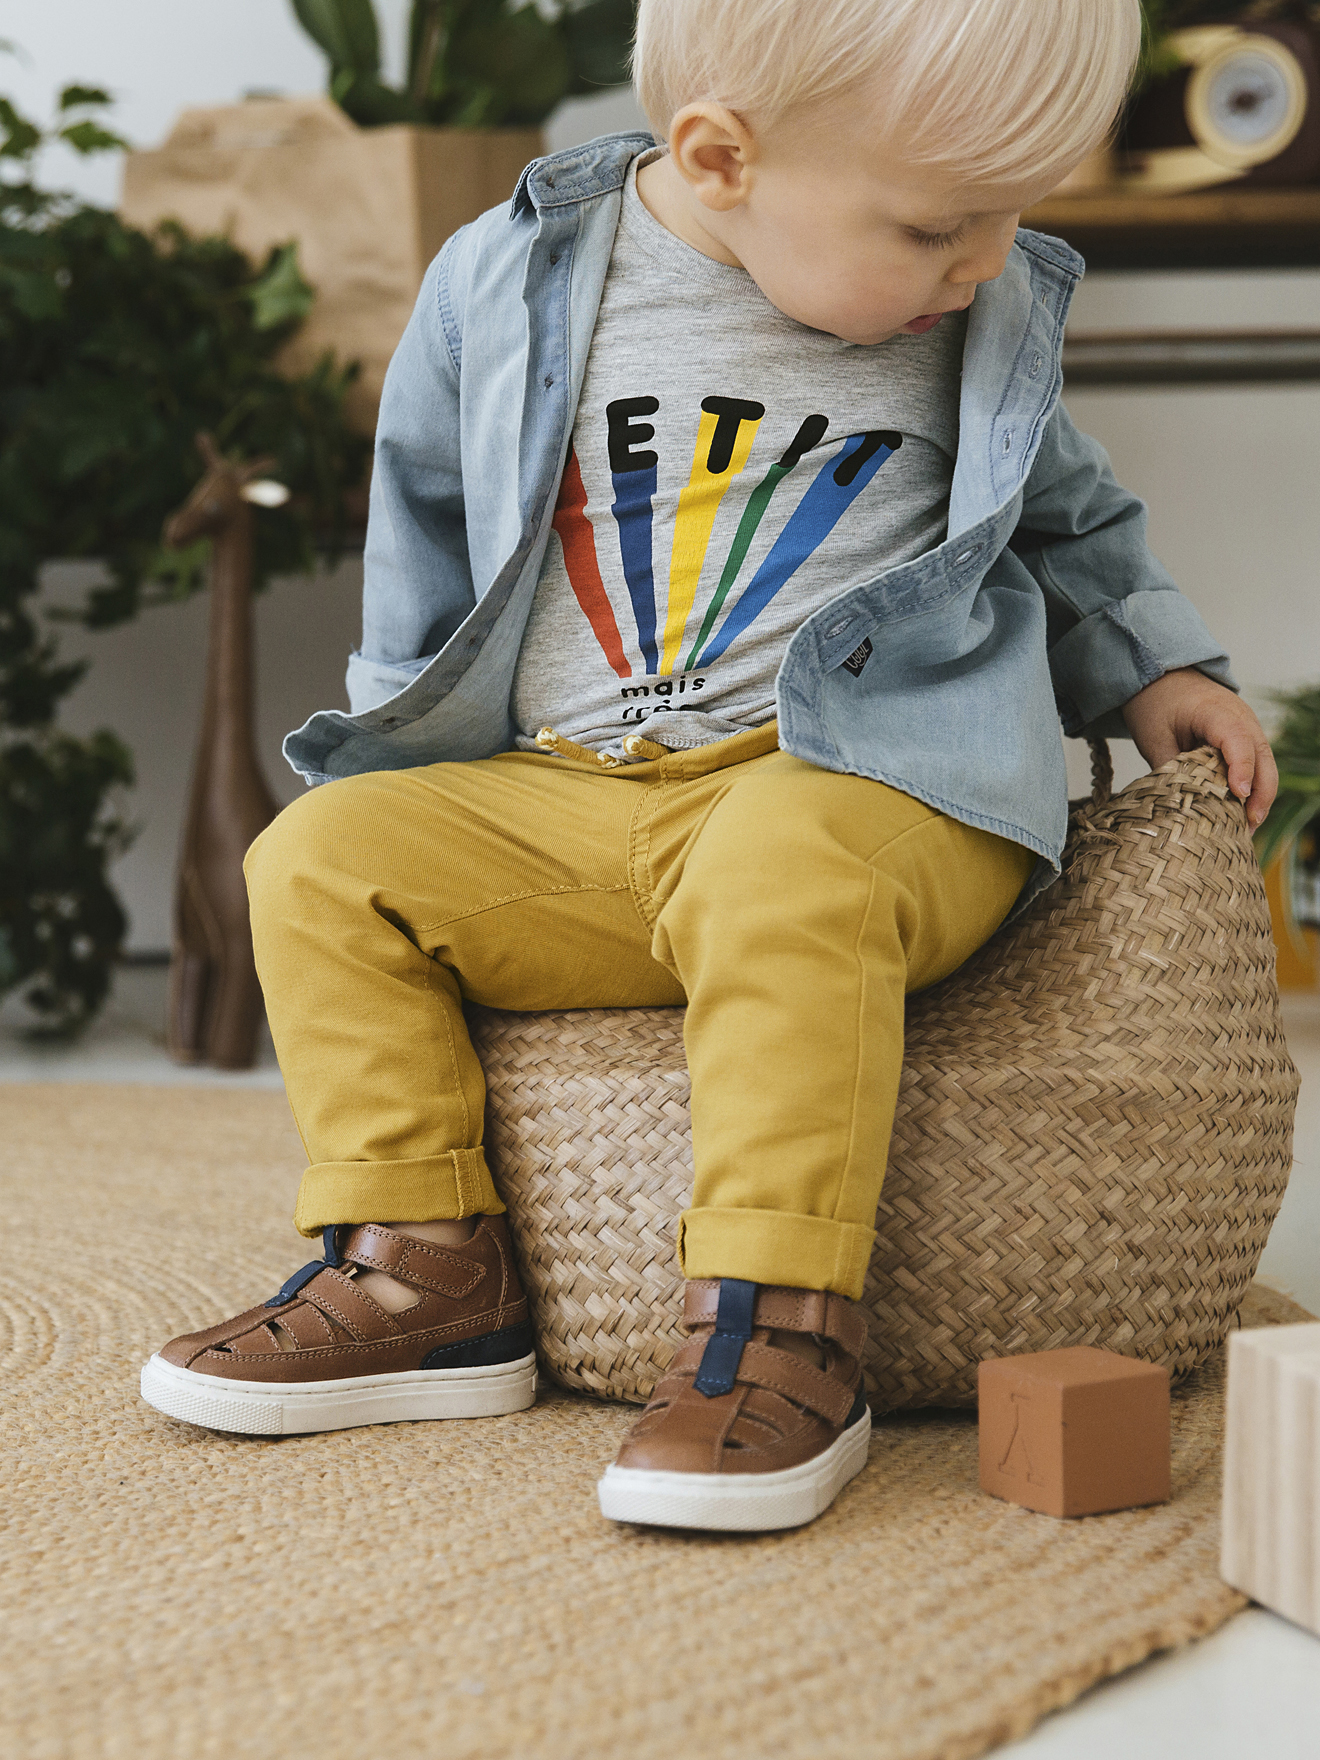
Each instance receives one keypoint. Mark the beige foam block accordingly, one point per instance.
(1271, 1534)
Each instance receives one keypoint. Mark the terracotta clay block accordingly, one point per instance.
(1075, 1432)
(1271, 1541)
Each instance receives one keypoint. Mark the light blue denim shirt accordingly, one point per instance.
(1043, 604)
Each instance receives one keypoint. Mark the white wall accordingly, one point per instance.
(1230, 473)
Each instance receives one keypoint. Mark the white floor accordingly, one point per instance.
(1251, 1691)
(125, 1043)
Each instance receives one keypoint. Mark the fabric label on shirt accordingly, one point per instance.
(858, 658)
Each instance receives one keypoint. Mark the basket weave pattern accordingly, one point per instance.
(1093, 1134)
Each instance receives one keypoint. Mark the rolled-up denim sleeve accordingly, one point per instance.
(1115, 618)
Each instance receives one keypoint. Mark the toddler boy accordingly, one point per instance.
(731, 563)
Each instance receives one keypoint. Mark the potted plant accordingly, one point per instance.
(116, 347)
(473, 63)
(1288, 843)
(373, 178)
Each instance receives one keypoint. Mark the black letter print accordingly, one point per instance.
(624, 434)
(732, 413)
(810, 434)
(849, 467)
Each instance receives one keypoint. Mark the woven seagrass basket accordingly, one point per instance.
(1093, 1136)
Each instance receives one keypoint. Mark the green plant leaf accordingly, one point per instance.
(429, 25)
(345, 29)
(598, 37)
(36, 294)
(369, 103)
(61, 925)
(511, 66)
(1288, 819)
(1296, 748)
(79, 97)
(90, 137)
(21, 137)
(11, 969)
(280, 295)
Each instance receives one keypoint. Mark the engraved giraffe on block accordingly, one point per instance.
(1016, 1463)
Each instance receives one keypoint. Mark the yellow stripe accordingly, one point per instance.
(697, 506)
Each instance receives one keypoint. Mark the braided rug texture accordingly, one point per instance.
(449, 1591)
(1093, 1134)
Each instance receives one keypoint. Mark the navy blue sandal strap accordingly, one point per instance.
(718, 1370)
(290, 1288)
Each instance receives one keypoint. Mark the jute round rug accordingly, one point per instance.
(450, 1589)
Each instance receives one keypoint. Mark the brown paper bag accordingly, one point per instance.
(368, 207)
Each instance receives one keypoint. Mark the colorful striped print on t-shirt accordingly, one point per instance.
(730, 471)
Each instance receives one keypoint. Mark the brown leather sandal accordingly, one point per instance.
(324, 1355)
(739, 1433)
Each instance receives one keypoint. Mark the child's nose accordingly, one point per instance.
(983, 259)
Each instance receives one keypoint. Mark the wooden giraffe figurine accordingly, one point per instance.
(215, 1002)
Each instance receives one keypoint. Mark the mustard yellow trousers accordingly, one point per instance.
(790, 907)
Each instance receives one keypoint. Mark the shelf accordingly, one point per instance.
(1229, 228)
(1191, 357)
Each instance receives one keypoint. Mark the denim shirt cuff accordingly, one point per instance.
(373, 682)
(1108, 657)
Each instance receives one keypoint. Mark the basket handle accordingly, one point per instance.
(1102, 772)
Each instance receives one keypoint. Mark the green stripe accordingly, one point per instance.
(742, 543)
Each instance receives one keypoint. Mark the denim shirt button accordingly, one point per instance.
(549, 380)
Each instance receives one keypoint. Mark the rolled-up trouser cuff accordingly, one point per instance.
(776, 1246)
(438, 1187)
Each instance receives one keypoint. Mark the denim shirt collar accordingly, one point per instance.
(578, 174)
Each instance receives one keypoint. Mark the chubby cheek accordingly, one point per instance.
(855, 299)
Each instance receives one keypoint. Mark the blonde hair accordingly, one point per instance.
(997, 89)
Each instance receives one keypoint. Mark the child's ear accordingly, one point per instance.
(713, 152)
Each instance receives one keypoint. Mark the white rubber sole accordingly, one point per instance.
(255, 1408)
(736, 1502)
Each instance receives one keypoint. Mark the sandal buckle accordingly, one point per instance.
(290, 1288)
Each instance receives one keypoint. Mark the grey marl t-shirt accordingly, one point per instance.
(730, 472)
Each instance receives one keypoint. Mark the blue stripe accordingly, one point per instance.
(812, 521)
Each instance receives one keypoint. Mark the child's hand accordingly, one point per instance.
(1185, 709)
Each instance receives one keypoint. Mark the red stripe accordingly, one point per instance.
(579, 542)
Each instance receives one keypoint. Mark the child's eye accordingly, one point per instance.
(936, 241)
